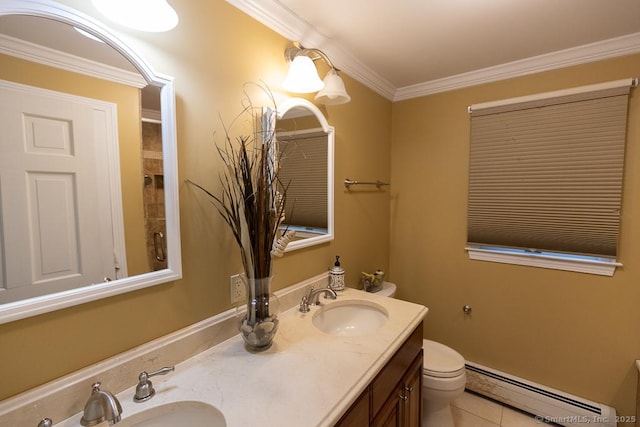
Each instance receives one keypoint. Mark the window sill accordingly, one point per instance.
(603, 268)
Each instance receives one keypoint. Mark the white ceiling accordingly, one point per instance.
(407, 48)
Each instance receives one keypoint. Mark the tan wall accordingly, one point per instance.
(127, 99)
(571, 331)
(212, 53)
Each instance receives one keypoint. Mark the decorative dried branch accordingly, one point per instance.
(252, 198)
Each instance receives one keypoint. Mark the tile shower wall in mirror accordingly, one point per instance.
(153, 194)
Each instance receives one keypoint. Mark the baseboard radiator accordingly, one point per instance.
(545, 403)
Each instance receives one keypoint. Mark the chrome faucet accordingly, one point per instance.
(312, 298)
(101, 406)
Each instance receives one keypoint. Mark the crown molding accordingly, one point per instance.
(55, 58)
(611, 48)
(286, 23)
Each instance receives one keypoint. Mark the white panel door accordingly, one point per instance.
(55, 218)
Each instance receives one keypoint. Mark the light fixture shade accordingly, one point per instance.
(303, 76)
(143, 15)
(334, 92)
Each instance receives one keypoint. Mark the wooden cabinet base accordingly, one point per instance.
(394, 396)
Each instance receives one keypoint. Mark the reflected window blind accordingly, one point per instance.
(545, 172)
(303, 167)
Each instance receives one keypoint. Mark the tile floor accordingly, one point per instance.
(473, 410)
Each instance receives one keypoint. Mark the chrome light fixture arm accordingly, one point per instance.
(315, 54)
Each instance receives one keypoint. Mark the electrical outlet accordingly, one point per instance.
(236, 288)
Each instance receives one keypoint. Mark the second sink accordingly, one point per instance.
(182, 413)
(350, 317)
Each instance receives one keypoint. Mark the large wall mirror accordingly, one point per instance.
(88, 164)
(306, 159)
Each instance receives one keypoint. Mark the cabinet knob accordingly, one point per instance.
(405, 398)
(409, 389)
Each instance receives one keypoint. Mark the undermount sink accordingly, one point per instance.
(350, 318)
(182, 413)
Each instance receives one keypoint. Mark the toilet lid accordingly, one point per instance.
(441, 361)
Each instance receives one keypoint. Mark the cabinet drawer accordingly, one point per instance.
(385, 382)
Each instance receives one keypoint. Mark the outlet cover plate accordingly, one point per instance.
(236, 289)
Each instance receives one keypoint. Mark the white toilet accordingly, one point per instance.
(443, 377)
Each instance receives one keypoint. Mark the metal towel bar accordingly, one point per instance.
(349, 182)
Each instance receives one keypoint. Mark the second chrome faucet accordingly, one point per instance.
(311, 298)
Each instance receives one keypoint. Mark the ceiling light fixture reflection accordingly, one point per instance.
(143, 15)
(303, 76)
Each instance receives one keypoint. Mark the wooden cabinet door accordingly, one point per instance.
(394, 371)
(391, 413)
(412, 394)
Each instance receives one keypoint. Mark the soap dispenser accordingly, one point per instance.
(336, 276)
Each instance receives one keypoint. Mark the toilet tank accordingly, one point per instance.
(388, 290)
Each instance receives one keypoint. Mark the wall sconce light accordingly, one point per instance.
(303, 76)
(143, 15)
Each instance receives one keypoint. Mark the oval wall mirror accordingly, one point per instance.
(306, 161)
(88, 164)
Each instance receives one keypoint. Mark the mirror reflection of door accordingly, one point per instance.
(58, 254)
(54, 200)
(40, 47)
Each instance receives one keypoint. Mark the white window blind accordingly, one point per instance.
(545, 172)
(303, 167)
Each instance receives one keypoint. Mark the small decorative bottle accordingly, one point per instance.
(336, 276)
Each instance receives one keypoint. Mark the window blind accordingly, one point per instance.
(545, 172)
(303, 167)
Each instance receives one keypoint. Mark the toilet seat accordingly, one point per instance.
(441, 361)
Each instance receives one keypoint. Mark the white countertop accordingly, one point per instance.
(306, 378)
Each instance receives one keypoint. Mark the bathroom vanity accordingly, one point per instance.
(308, 377)
(394, 396)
